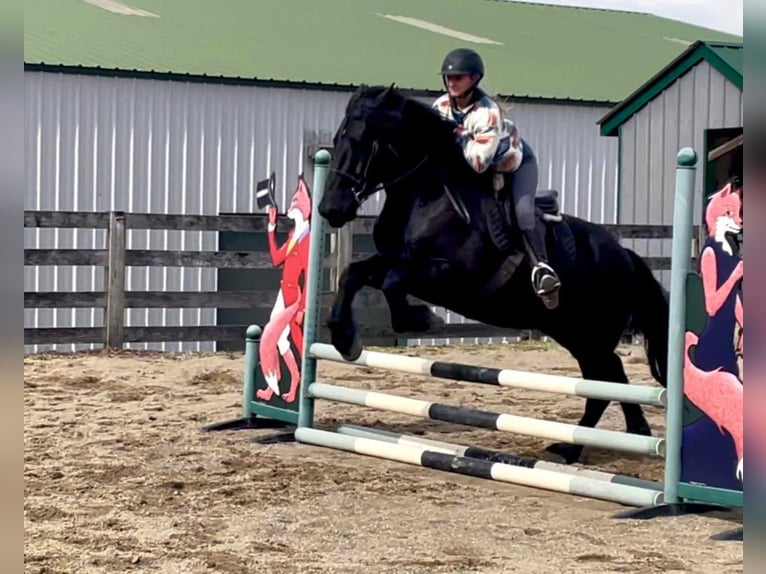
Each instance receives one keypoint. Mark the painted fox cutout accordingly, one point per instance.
(286, 321)
(722, 218)
(713, 380)
(722, 270)
(720, 395)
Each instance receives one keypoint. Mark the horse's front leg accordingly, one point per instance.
(344, 334)
(382, 273)
(406, 317)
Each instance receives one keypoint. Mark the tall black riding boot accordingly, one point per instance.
(545, 281)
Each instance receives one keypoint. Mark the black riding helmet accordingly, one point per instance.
(463, 61)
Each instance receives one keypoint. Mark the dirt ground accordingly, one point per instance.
(120, 478)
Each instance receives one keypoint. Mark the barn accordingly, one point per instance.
(181, 106)
(694, 100)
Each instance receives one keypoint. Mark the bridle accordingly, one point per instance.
(361, 187)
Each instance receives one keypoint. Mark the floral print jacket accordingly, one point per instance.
(488, 139)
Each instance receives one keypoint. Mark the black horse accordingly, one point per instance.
(435, 241)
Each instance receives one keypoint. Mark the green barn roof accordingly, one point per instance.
(726, 57)
(530, 50)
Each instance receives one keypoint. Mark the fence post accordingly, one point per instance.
(114, 317)
(683, 215)
(313, 290)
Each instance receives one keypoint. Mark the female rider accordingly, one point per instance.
(491, 141)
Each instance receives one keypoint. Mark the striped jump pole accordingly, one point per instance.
(454, 458)
(556, 431)
(493, 455)
(534, 477)
(644, 395)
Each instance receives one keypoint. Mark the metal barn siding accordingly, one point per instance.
(99, 143)
(573, 158)
(96, 144)
(700, 99)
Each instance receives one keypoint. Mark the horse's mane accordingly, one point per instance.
(420, 130)
(416, 117)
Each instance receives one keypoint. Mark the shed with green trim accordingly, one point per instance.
(699, 90)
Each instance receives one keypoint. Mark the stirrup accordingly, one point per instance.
(546, 284)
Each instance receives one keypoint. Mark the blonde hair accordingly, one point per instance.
(503, 104)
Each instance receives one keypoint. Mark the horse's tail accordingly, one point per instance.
(651, 317)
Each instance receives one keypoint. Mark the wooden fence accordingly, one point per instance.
(115, 298)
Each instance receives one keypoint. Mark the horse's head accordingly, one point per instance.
(366, 152)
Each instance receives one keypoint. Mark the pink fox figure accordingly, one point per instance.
(712, 381)
(286, 321)
(720, 395)
(722, 217)
(722, 271)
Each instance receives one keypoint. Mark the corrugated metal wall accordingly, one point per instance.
(97, 143)
(700, 99)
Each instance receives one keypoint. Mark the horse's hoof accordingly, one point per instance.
(565, 453)
(346, 342)
(354, 350)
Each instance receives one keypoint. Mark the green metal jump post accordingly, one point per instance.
(313, 289)
(683, 215)
(252, 342)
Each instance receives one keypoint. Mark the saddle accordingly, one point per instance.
(495, 213)
(499, 213)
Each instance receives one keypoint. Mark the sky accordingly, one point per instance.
(723, 15)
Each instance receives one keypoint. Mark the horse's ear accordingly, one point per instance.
(388, 92)
(381, 97)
